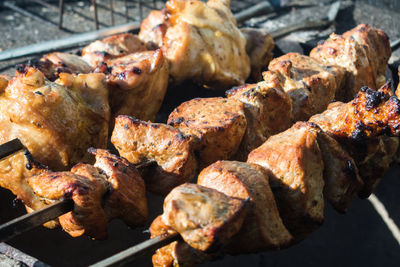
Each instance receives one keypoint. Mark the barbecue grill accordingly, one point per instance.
(361, 237)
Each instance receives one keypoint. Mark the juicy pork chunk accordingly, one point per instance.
(4, 79)
(259, 47)
(205, 218)
(218, 124)
(201, 42)
(173, 152)
(268, 110)
(310, 84)
(111, 47)
(56, 123)
(111, 189)
(262, 228)
(296, 165)
(137, 84)
(55, 63)
(357, 126)
(154, 27)
(363, 51)
(177, 253)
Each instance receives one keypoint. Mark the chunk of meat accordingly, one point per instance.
(363, 51)
(154, 27)
(137, 84)
(205, 218)
(259, 47)
(177, 253)
(310, 84)
(262, 228)
(86, 191)
(111, 47)
(268, 110)
(4, 79)
(57, 124)
(217, 123)
(140, 141)
(295, 161)
(201, 42)
(127, 197)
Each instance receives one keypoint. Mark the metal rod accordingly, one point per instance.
(66, 42)
(96, 21)
(44, 3)
(111, 12)
(140, 6)
(34, 219)
(262, 7)
(126, 11)
(10, 147)
(60, 13)
(297, 27)
(141, 249)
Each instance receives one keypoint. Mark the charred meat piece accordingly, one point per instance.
(178, 253)
(137, 84)
(363, 51)
(140, 141)
(296, 165)
(111, 47)
(310, 84)
(259, 47)
(126, 199)
(201, 41)
(88, 216)
(262, 228)
(217, 123)
(205, 218)
(268, 110)
(56, 123)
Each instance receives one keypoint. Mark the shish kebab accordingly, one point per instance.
(284, 180)
(366, 29)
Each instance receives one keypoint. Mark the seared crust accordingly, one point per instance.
(259, 47)
(111, 47)
(154, 27)
(139, 141)
(205, 218)
(363, 51)
(295, 161)
(262, 228)
(268, 111)
(126, 199)
(310, 84)
(87, 191)
(217, 123)
(137, 84)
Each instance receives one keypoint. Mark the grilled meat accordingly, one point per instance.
(172, 151)
(259, 47)
(201, 42)
(363, 51)
(310, 84)
(56, 123)
(205, 218)
(217, 123)
(262, 228)
(112, 47)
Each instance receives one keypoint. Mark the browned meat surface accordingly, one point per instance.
(363, 51)
(137, 83)
(88, 216)
(140, 141)
(296, 165)
(126, 199)
(56, 123)
(310, 84)
(205, 218)
(262, 228)
(177, 253)
(259, 47)
(268, 110)
(201, 42)
(4, 79)
(357, 124)
(217, 123)
(111, 47)
(154, 27)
